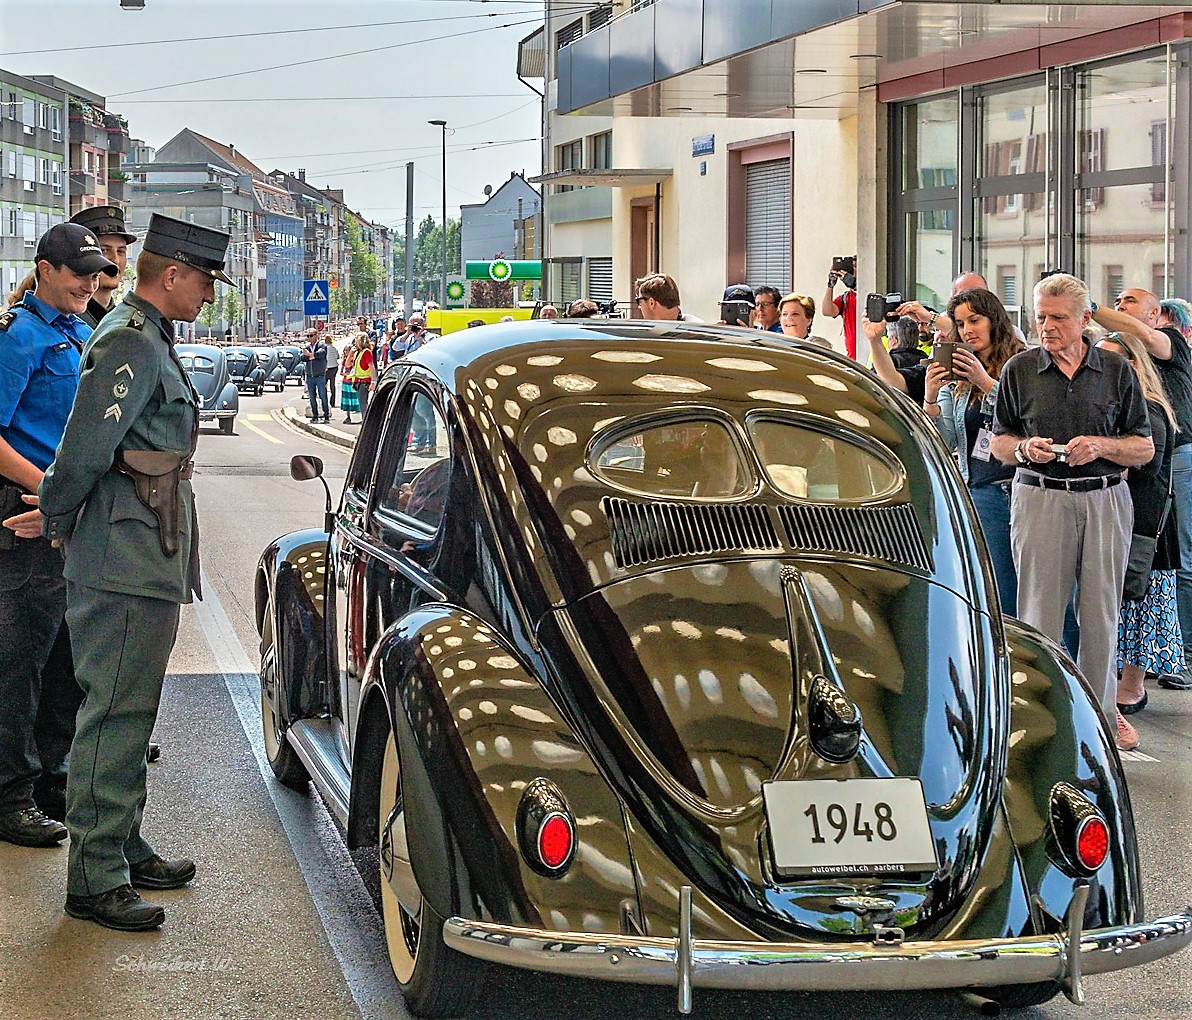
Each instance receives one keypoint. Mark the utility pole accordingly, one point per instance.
(443, 286)
(407, 291)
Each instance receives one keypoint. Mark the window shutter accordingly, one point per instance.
(768, 224)
(600, 279)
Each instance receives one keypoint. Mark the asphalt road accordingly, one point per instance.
(280, 921)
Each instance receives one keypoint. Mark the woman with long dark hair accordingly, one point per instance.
(961, 405)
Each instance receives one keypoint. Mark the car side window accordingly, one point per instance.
(365, 455)
(416, 486)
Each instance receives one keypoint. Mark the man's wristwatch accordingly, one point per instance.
(931, 320)
(1020, 451)
(1094, 307)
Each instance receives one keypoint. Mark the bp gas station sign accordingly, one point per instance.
(500, 270)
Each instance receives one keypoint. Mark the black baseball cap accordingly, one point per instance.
(103, 220)
(189, 244)
(76, 247)
(738, 292)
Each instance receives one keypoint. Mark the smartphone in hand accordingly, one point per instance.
(943, 353)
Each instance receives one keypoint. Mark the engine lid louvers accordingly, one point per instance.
(883, 532)
(645, 532)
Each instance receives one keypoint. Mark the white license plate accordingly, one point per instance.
(848, 827)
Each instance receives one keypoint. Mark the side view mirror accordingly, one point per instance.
(302, 469)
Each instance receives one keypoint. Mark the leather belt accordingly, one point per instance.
(187, 470)
(1068, 484)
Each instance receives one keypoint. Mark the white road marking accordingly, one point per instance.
(1135, 756)
(330, 874)
(260, 417)
(261, 432)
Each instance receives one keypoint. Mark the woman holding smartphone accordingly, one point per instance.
(961, 403)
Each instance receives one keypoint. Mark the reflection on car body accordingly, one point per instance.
(586, 704)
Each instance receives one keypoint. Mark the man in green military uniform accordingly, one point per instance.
(119, 490)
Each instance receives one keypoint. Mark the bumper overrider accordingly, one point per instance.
(809, 966)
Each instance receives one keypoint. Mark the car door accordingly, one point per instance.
(398, 546)
(349, 552)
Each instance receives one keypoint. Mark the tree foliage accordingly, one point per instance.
(428, 256)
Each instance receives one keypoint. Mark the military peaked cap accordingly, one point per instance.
(104, 219)
(191, 245)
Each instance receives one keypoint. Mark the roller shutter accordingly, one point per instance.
(600, 279)
(768, 224)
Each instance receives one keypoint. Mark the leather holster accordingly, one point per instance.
(155, 474)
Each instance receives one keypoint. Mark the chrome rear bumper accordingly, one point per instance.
(859, 966)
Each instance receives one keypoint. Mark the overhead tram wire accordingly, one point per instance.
(404, 23)
(387, 165)
(372, 50)
(327, 99)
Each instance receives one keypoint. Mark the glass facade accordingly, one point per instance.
(1081, 168)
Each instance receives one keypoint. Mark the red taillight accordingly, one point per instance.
(556, 840)
(1092, 842)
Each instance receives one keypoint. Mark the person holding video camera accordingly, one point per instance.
(960, 394)
(1071, 417)
(844, 270)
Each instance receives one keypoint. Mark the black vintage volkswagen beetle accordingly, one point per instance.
(208, 371)
(245, 369)
(290, 358)
(274, 372)
(671, 654)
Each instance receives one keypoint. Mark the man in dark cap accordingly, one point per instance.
(40, 341)
(736, 307)
(106, 222)
(119, 486)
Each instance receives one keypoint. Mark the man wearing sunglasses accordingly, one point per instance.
(657, 297)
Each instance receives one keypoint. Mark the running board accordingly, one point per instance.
(315, 744)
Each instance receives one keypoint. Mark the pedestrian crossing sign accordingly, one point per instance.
(314, 297)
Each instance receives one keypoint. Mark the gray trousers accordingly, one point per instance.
(1061, 539)
(121, 644)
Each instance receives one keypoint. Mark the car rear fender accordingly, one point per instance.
(474, 726)
(230, 396)
(291, 578)
(1058, 734)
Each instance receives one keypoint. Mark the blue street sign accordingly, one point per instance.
(314, 297)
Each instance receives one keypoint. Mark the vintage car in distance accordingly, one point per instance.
(245, 367)
(208, 371)
(290, 358)
(269, 360)
(671, 654)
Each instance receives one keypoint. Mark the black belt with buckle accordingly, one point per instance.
(1068, 484)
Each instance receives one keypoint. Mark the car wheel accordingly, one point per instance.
(435, 980)
(1021, 996)
(282, 758)
(226, 425)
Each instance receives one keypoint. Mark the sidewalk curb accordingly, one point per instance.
(289, 416)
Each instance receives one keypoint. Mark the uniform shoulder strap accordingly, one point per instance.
(136, 320)
(8, 318)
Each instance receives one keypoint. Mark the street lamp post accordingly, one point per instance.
(443, 283)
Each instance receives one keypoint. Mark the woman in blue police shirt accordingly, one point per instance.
(39, 371)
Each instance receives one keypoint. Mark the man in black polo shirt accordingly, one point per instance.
(1136, 311)
(1072, 416)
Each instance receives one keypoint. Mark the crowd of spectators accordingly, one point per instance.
(1075, 447)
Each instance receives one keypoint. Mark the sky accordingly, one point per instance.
(351, 111)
